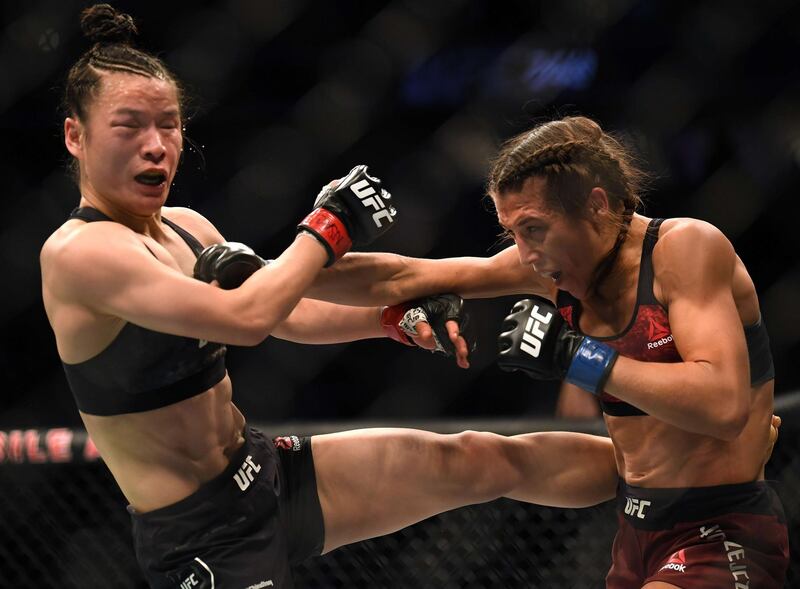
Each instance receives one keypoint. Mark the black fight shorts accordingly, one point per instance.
(241, 530)
(732, 536)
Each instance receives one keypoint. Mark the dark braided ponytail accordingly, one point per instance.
(101, 24)
(574, 155)
(111, 34)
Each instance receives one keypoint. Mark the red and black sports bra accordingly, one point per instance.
(648, 336)
(143, 369)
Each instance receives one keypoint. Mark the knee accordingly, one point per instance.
(485, 465)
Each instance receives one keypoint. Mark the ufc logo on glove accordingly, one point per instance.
(533, 336)
(370, 198)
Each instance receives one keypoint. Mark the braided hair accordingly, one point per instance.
(111, 34)
(574, 155)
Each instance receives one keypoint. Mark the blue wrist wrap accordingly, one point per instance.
(591, 365)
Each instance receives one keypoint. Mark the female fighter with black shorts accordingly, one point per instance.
(141, 335)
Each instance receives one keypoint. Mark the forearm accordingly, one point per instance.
(364, 279)
(268, 297)
(387, 279)
(318, 322)
(694, 396)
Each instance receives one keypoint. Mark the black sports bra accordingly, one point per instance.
(143, 369)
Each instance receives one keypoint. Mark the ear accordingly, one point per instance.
(598, 201)
(73, 136)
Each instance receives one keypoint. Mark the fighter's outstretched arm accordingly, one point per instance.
(383, 278)
(319, 322)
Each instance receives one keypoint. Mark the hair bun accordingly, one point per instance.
(102, 24)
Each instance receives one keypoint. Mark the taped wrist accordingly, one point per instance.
(591, 365)
(390, 322)
(330, 231)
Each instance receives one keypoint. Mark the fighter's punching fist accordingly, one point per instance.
(400, 322)
(229, 263)
(354, 211)
(537, 340)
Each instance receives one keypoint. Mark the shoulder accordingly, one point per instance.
(194, 223)
(78, 251)
(692, 254)
(75, 239)
(692, 239)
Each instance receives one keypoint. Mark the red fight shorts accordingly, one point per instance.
(723, 537)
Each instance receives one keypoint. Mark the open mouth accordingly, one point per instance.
(151, 178)
(556, 276)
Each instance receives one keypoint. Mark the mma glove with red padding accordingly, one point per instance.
(399, 321)
(537, 340)
(229, 263)
(354, 212)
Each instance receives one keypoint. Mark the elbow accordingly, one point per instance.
(253, 330)
(250, 323)
(250, 337)
(732, 421)
(730, 429)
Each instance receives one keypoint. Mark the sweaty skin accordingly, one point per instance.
(161, 456)
(98, 276)
(680, 443)
(158, 456)
(706, 424)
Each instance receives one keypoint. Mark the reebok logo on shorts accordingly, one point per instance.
(676, 562)
(287, 443)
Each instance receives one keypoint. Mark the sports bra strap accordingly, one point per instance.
(190, 239)
(90, 214)
(646, 273)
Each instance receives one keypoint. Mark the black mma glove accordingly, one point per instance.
(228, 263)
(354, 212)
(538, 341)
(399, 321)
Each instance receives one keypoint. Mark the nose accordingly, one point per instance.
(153, 148)
(527, 255)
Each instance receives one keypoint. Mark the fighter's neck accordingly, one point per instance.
(146, 225)
(624, 273)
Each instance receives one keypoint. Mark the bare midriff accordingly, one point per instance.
(654, 454)
(650, 453)
(161, 456)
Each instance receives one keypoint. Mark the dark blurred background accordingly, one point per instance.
(288, 94)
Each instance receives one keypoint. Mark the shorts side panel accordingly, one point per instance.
(301, 511)
(736, 550)
(626, 558)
